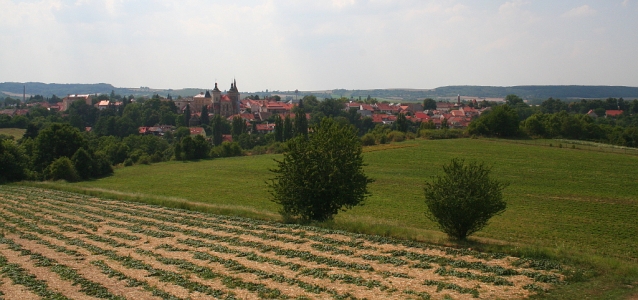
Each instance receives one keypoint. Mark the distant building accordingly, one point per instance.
(66, 101)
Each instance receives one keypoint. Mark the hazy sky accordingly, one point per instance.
(313, 45)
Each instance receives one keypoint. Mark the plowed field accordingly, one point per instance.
(59, 245)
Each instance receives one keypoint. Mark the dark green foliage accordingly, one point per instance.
(56, 141)
(331, 107)
(83, 164)
(429, 103)
(82, 115)
(226, 149)
(181, 133)
(192, 148)
(288, 129)
(463, 200)
(187, 116)
(13, 162)
(402, 123)
(502, 121)
(513, 100)
(320, 175)
(368, 139)
(204, 119)
(32, 131)
(301, 122)
(238, 126)
(217, 130)
(279, 129)
(61, 169)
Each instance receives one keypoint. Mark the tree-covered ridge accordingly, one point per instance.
(531, 92)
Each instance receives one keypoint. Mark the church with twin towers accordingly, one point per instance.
(224, 105)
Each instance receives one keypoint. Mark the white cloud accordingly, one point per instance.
(513, 7)
(582, 11)
(625, 3)
(288, 44)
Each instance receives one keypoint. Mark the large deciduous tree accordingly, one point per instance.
(462, 200)
(502, 121)
(320, 175)
(56, 141)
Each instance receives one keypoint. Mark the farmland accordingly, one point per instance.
(568, 204)
(579, 201)
(62, 245)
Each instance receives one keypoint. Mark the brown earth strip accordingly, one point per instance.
(419, 275)
(16, 291)
(53, 280)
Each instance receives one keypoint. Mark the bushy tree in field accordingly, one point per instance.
(463, 199)
(321, 174)
(61, 169)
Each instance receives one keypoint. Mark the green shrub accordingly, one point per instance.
(368, 140)
(396, 136)
(61, 169)
(463, 200)
(226, 149)
(439, 134)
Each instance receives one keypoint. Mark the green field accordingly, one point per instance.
(17, 133)
(570, 204)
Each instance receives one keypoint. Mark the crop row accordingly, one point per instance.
(230, 281)
(129, 262)
(399, 262)
(234, 266)
(22, 277)
(180, 239)
(381, 259)
(66, 273)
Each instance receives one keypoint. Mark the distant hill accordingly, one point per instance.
(530, 92)
(540, 91)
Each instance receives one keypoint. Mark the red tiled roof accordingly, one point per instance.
(265, 127)
(422, 116)
(613, 113)
(458, 113)
(197, 130)
(367, 107)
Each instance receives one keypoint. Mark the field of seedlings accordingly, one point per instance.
(59, 245)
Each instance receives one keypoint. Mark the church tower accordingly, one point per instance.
(233, 94)
(217, 98)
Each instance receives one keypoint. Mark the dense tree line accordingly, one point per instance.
(114, 137)
(554, 118)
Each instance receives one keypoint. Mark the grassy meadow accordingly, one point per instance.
(16, 133)
(570, 204)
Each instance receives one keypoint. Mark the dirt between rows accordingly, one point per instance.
(150, 243)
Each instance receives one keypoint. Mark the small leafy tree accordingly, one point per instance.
(61, 169)
(320, 175)
(463, 199)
